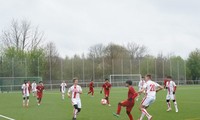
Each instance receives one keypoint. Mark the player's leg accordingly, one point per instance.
(144, 105)
(23, 101)
(27, 101)
(92, 91)
(120, 105)
(75, 112)
(174, 101)
(107, 98)
(128, 110)
(63, 95)
(89, 91)
(168, 103)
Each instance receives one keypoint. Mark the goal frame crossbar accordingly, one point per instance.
(121, 75)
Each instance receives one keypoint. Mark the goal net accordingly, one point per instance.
(14, 83)
(121, 78)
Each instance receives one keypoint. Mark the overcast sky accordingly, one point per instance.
(167, 26)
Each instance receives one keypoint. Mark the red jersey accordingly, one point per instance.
(106, 86)
(91, 85)
(132, 94)
(40, 89)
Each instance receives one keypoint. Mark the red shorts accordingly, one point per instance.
(91, 89)
(107, 93)
(39, 95)
(129, 105)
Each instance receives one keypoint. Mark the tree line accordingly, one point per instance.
(24, 52)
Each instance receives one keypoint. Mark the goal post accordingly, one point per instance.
(14, 83)
(114, 78)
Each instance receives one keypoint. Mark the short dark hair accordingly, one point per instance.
(25, 81)
(74, 79)
(129, 82)
(40, 82)
(169, 77)
(106, 79)
(149, 76)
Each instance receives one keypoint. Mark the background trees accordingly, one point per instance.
(23, 52)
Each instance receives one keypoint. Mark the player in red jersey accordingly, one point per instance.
(106, 86)
(40, 89)
(91, 88)
(129, 103)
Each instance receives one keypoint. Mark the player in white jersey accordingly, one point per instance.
(151, 88)
(63, 87)
(34, 90)
(140, 86)
(25, 93)
(171, 89)
(74, 93)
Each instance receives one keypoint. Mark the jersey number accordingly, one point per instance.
(152, 87)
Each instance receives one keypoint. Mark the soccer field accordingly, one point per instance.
(54, 108)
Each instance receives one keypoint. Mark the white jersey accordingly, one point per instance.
(63, 87)
(25, 90)
(74, 90)
(34, 85)
(170, 87)
(140, 85)
(150, 87)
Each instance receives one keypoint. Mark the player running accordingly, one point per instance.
(106, 86)
(40, 88)
(63, 87)
(74, 93)
(25, 93)
(151, 89)
(34, 90)
(171, 89)
(91, 88)
(129, 103)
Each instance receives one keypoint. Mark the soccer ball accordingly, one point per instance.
(103, 101)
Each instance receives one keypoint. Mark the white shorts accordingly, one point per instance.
(147, 101)
(25, 95)
(170, 97)
(76, 102)
(63, 91)
(34, 90)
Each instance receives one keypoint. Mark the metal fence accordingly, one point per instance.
(87, 69)
(11, 88)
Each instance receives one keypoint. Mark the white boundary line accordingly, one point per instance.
(6, 117)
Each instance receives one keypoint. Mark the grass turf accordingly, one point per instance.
(54, 108)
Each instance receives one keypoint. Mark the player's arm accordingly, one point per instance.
(80, 91)
(101, 89)
(159, 88)
(135, 94)
(69, 93)
(174, 88)
(141, 91)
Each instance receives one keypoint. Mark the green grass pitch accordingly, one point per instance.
(53, 108)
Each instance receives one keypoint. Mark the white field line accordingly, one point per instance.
(6, 117)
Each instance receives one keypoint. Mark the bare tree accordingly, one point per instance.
(136, 50)
(96, 51)
(22, 36)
